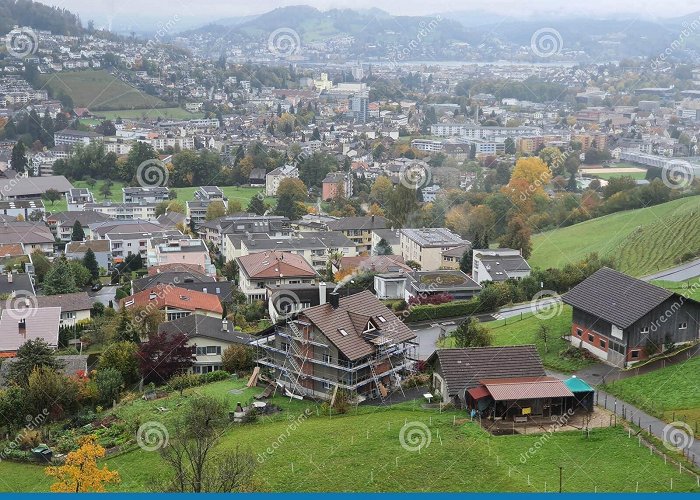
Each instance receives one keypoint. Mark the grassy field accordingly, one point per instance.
(362, 451)
(689, 288)
(641, 241)
(240, 194)
(98, 90)
(516, 331)
(150, 113)
(607, 175)
(671, 393)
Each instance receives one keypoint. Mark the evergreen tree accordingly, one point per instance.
(18, 157)
(125, 331)
(384, 248)
(256, 205)
(59, 279)
(90, 262)
(287, 206)
(78, 234)
(472, 333)
(465, 263)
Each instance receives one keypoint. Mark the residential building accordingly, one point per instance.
(76, 199)
(68, 137)
(392, 238)
(149, 195)
(258, 271)
(452, 258)
(420, 285)
(275, 226)
(181, 251)
(33, 235)
(77, 249)
(209, 337)
(354, 343)
(61, 223)
(23, 209)
(75, 307)
(358, 229)
(498, 264)
(273, 179)
(22, 188)
(336, 185)
(125, 211)
(175, 302)
(425, 246)
(623, 320)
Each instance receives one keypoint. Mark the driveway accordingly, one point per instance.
(104, 295)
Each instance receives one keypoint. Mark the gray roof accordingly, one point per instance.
(78, 301)
(33, 186)
(25, 232)
(199, 325)
(40, 322)
(615, 297)
(434, 237)
(306, 240)
(362, 222)
(21, 284)
(464, 368)
(392, 236)
(85, 217)
(175, 277)
(97, 246)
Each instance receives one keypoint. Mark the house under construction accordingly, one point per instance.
(353, 343)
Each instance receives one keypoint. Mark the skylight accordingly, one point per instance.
(343, 332)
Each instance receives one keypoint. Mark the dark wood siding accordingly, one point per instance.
(664, 322)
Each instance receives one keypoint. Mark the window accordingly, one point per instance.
(579, 332)
(645, 329)
(591, 337)
(285, 347)
(634, 354)
(213, 350)
(326, 385)
(602, 343)
(683, 326)
(327, 358)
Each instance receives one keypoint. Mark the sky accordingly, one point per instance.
(138, 12)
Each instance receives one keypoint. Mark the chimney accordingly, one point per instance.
(22, 327)
(334, 299)
(224, 325)
(152, 295)
(322, 292)
(9, 277)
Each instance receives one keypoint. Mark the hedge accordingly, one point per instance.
(448, 310)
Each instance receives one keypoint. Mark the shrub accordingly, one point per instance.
(217, 376)
(237, 358)
(109, 382)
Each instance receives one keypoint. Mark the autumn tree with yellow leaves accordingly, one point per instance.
(80, 472)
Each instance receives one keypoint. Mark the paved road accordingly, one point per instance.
(527, 308)
(428, 336)
(684, 272)
(105, 295)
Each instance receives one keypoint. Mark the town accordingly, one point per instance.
(291, 255)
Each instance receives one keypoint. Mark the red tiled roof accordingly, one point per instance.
(478, 392)
(175, 297)
(275, 264)
(526, 388)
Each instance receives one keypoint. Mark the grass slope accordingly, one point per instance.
(641, 241)
(362, 451)
(98, 90)
(668, 393)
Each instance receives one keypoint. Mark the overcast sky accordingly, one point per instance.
(132, 10)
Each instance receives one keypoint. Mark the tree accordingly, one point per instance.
(18, 157)
(295, 188)
(543, 333)
(163, 356)
(196, 466)
(125, 331)
(256, 205)
(471, 333)
(30, 355)
(381, 190)
(517, 236)
(509, 144)
(384, 248)
(90, 263)
(402, 204)
(51, 392)
(215, 210)
(78, 234)
(109, 384)
(288, 207)
(52, 195)
(41, 265)
(59, 279)
(230, 270)
(106, 189)
(237, 358)
(123, 357)
(80, 472)
(466, 261)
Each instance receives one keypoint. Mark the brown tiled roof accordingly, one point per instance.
(173, 296)
(275, 264)
(615, 297)
(375, 263)
(78, 301)
(526, 388)
(82, 246)
(177, 267)
(464, 368)
(11, 250)
(352, 315)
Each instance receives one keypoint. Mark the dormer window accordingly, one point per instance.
(370, 327)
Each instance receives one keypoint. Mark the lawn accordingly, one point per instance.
(516, 331)
(671, 393)
(98, 90)
(607, 175)
(61, 205)
(362, 451)
(689, 289)
(150, 114)
(640, 241)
